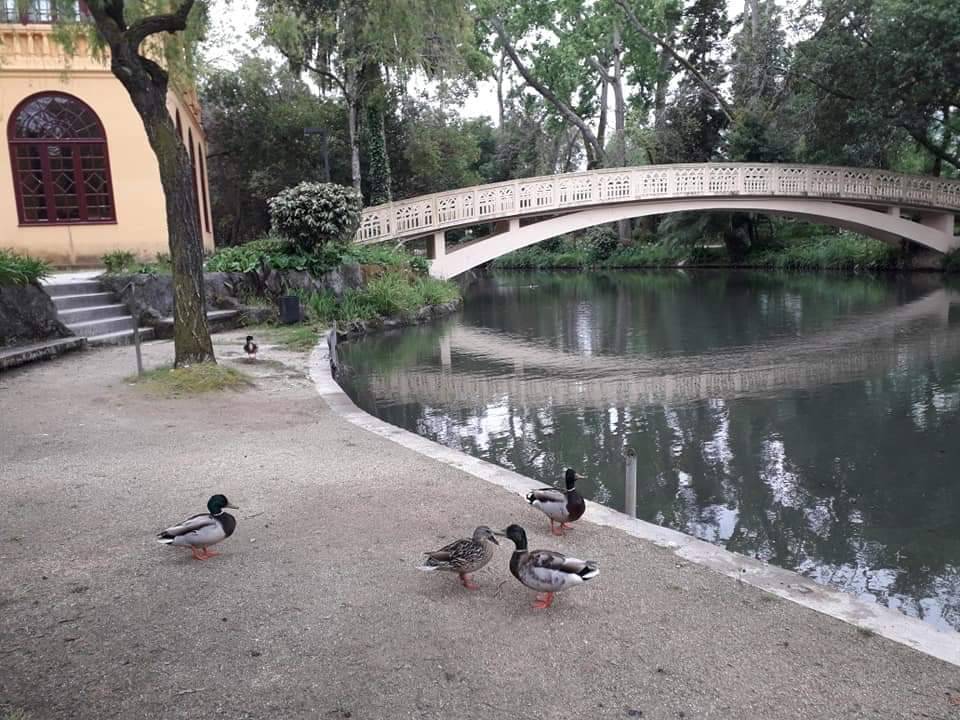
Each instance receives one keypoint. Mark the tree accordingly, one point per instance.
(142, 60)
(876, 69)
(355, 46)
(698, 115)
(255, 118)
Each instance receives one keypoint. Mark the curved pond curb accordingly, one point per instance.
(786, 584)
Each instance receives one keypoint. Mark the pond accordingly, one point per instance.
(811, 421)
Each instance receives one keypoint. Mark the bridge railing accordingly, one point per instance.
(558, 193)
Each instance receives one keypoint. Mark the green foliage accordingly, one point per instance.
(394, 294)
(843, 251)
(313, 215)
(118, 261)
(645, 256)
(386, 256)
(255, 115)
(16, 269)
(282, 255)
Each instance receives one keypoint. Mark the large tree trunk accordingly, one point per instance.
(353, 121)
(624, 229)
(146, 83)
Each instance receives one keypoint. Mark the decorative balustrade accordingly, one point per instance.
(560, 193)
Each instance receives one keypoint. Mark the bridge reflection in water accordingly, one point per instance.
(821, 438)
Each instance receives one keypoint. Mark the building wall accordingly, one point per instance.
(30, 62)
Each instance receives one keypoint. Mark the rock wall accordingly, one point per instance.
(28, 315)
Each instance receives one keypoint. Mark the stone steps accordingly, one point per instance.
(93, 313)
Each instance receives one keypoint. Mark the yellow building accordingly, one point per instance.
(77, 175)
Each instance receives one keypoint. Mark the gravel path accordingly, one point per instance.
(314, 609)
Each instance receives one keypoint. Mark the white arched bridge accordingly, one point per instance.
(886, 205)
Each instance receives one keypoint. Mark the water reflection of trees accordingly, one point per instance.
(850, 483)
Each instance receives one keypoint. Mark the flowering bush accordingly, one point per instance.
(312, 215)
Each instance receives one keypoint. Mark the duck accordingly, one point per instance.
(546, 571)
(250, 348)
(201, 531)
(463, 556)
(561, 506)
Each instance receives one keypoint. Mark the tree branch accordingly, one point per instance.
(930, 147)
(153, 24)
(701, 80)
(546, 93)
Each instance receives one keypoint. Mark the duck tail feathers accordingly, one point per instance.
(590, 571)
(164, 539)
(531, 497)
(427, 568)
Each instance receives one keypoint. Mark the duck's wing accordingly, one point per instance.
(556, 570)
(192, 524)
(547, 496)
(456, 549)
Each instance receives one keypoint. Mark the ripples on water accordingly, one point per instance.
(807, 420)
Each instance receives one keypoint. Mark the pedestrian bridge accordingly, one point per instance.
(886, 205)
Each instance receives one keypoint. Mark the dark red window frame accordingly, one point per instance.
(61, 168)
(203, 188)
(193, 172)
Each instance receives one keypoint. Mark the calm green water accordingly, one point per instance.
(811, 421)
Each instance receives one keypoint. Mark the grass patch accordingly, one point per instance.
(15, 714)
(192, 380)
(298, 338)
(16, 269)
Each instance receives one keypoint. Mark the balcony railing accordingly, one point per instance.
(40, 12)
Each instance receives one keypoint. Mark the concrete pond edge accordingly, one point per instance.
(870, 617)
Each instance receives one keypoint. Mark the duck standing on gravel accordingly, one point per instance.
(561, 506)
(546, 571)
(201, 531)
(463, 556)
(250, 348)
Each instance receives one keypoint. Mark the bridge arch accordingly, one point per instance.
(870, 222)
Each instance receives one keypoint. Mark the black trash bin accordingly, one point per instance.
(290, 309)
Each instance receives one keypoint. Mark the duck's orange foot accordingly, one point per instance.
(465, 581)
(554, 530)
(543, 601)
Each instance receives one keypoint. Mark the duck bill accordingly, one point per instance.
(494, 540)
(578, 476)
(233, 507)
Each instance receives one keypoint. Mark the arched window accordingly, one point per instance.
(61, 169)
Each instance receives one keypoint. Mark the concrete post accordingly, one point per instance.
(445, 351)
(437, 245)
(630, 482)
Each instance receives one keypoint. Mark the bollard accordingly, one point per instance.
(630, 482)
(136, 330)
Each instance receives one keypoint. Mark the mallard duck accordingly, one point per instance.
(201, 531)
(561, 506)
(250, 348)
(463, 556)
(546, 571)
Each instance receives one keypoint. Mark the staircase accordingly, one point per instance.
(93, 313)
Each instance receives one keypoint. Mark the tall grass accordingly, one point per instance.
(16, 269)
(395, 293)
(844, 251)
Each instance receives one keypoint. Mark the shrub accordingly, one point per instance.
(843, 251)
(386, 256)
(601, 242)
(18, 269)
(119, 261)
(312, 215)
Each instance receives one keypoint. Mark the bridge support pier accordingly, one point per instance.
(938, 221)
(437, 245)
